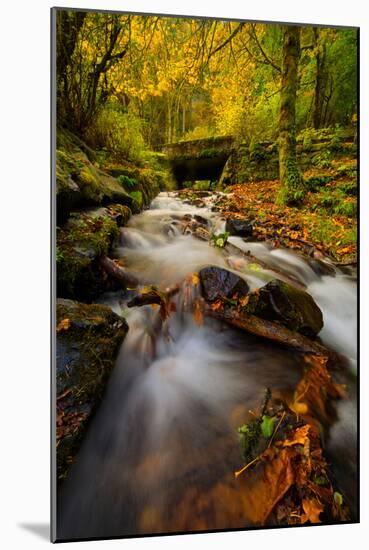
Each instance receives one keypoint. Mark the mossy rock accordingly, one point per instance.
(88, 340)
(292, 307)
(79, 183)
(80, 244)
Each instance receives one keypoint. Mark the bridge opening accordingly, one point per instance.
(199, 160)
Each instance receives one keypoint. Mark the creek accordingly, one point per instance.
(160, 453)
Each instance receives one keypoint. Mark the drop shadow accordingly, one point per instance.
(42, 530)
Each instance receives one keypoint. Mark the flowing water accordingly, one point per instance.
(161, 451)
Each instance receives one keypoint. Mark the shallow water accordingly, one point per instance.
(160, 453)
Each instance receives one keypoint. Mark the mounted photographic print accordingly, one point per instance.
(204, 373)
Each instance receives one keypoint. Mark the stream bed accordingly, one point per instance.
(160, 453)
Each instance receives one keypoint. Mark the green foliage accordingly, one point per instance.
(127, 182)
(347, 170)
(335, 201)
(338, 498)
(267, 426)
(119, 132)
(349, 188)
(323, 159)
(249, 439)
(202, 185)
(346, 208)
(220, 240)
(315, 182)
(59, 254)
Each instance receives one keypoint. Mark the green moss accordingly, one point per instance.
(80, 244)
(293, 188)
(137, 199)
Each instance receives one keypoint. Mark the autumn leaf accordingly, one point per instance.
(215, 306)
(300, 436)
(63, 325)
(312, 508)
(197, 313)
(195, 279)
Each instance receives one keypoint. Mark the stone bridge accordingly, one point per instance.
(224, 160)
(200, 159)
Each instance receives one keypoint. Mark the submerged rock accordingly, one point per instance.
(88, 339)
(292, 307)
(240, 228)
(218, 283)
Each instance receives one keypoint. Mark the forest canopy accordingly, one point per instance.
(165, 79)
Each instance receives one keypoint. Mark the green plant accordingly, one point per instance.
(59, 254)
(314, 182)
(322, 159)
(346, 208)
(127, 182)
(349, 188)
(220, 240)
(249, 439)
(267, 426)
(202, 185)
(119, 132)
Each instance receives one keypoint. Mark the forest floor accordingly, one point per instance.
(325, 221)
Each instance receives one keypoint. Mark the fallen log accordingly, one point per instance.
(267, 329)
(118, 272)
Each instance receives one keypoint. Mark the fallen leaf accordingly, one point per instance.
(312, 508)
(63, 325)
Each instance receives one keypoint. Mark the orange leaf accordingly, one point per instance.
(63, 325)
(300, 437)
(312, 508)
(197, 313)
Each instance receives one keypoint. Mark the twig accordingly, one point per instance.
(236, 474)
(277, 428)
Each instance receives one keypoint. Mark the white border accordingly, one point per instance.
(24, 230)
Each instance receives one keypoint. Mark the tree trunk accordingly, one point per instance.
(320, 81)
(292, 185)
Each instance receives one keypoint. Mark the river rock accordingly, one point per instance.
(88, 339)
(217, 283)
(292, 307)
(240, 228)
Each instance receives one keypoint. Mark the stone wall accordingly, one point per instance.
(259, 161)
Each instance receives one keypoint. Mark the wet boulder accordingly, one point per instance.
(218, 283)
(239, 228)
(88, 340)
(292, 307)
